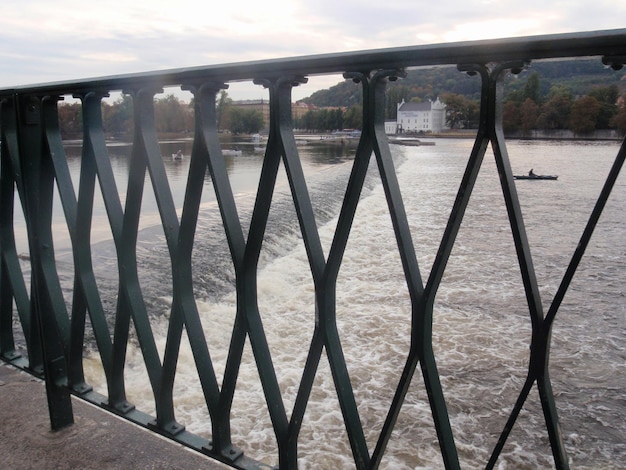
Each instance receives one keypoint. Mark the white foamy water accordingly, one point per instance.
(481, 330)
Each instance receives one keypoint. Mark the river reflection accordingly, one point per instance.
(243, 171)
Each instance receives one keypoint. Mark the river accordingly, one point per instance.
(481, 324)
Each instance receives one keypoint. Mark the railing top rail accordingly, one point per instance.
(580, 44)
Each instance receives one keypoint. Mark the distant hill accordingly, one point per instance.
(580, 76)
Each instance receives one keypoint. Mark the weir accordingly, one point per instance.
(44, 333)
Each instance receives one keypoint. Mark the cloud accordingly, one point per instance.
(44, 41)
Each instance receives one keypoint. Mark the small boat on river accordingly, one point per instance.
(231, 152)
(535, 177)
(410, 142)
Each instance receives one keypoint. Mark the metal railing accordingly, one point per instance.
(33, 162)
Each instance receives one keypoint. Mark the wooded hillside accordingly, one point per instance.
(579, 95)
(579, 76)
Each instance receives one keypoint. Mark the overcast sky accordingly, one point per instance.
(51, 40)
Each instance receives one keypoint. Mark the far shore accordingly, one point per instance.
(599, 135)
(605, 134)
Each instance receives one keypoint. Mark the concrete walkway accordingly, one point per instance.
(97, 440)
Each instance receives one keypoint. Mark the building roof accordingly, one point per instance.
(412, 106)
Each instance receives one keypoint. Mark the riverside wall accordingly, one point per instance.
(535, 134)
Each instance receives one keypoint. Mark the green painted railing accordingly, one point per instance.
(33, 162)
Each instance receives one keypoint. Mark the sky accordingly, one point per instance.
(54, 40)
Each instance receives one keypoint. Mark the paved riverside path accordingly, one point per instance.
(97, 440)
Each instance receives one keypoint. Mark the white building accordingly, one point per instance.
(427, 116)
(391, 127)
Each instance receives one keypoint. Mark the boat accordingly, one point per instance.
(410, 142)
(177, 156)
(231, 152)
(535, 177)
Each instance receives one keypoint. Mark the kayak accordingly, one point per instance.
(535, 177)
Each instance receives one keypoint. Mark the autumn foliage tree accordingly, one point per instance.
(70, 120)
(460, 111)
(510, 117)
(554, 113)
(529, 112)
(526, 109)
(619, 119)
(607, 97)
(584, 115)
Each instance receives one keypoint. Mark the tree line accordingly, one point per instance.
(171, 114)
(526, 107)
(330, 119)
(601, 107)
(174, 116)
(524, 110)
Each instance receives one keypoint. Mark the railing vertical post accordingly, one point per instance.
(38, 191)
(11, 288)
(538, 370)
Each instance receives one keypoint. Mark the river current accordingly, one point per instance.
(481, 325)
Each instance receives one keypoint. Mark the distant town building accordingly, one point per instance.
(299, 109)
(427, 116)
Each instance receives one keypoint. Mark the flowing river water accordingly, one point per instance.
(481, 325)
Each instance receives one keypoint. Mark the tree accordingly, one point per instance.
(305, 121)
(70, 119)
(515, 96)
(472, 114)
(529, 112)
(460, 110)
(560, 90)
(584, 114)
(245, 121)
(607, 97)
(555, 113)
(222, 108)
(331, 119)
(353, 117)
(323, 119)
(510, 116)
(619, 120)
(171, 115)
(532, 90)
(118, 117)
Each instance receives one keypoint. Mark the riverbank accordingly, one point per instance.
(329, 139)
(535, 134)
